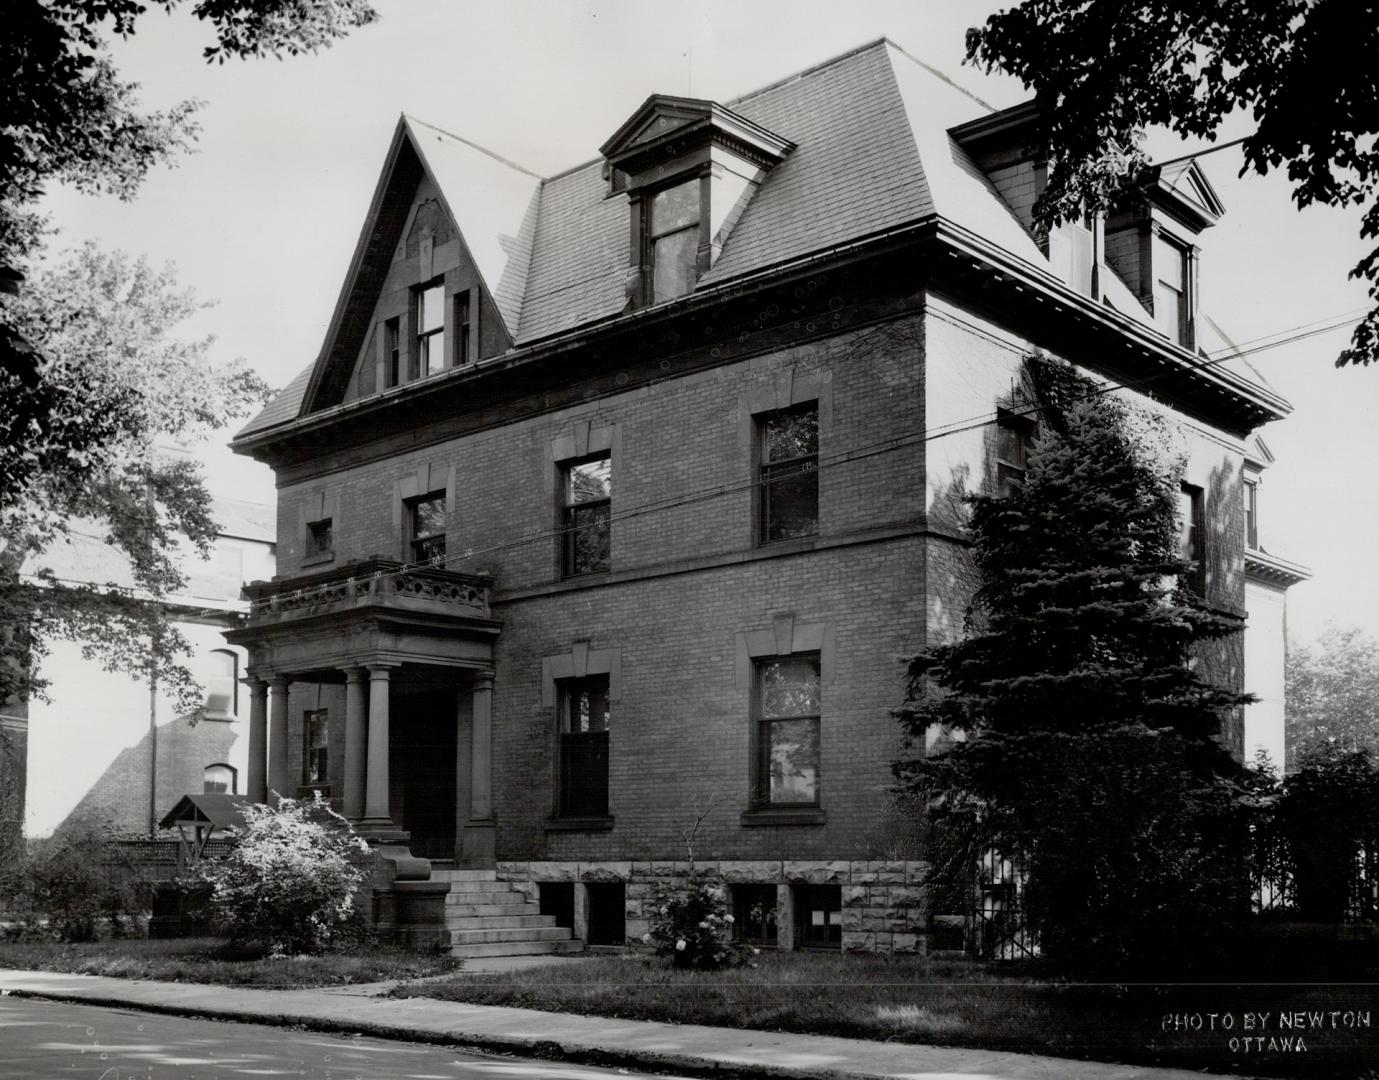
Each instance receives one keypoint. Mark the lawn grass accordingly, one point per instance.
(209, 960)
(953, 1003)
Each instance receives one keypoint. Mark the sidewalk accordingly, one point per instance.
(559, 1036)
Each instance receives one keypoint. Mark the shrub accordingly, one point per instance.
(1327, 815)
(77, 883)
(290, 884)
(694, 927)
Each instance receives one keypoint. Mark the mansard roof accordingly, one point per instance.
(868, 150)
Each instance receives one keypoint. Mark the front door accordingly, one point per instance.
(422, 769)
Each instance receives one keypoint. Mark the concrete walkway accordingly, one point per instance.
(589, 1039)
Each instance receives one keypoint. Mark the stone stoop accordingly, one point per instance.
(487, 917)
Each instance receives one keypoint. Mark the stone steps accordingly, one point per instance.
(488, 917)
(523, 933)
(497, 922)
(492, 896)
(517, 948)
(484, 910)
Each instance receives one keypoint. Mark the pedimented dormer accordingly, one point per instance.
(688, 168)
(1152, 244)
(440, 269)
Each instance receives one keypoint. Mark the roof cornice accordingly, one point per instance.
(1019, 276)
(1262, 566)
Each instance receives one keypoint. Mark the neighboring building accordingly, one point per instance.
(108, 746)
(614, 496)
(1267, 580)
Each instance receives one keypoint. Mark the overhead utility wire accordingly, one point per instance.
(859, 453)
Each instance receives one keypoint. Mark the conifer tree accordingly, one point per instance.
(1084, 741)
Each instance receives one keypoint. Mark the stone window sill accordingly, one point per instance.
(319, 559)
(581, 824)
(804, 815)
(305, 791)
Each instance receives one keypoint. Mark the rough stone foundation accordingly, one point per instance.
(884, 904)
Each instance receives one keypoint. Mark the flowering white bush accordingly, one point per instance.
(694, 927)
(291, 881)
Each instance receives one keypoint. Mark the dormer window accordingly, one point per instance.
(688, 167)
(1172, 296)
(672, 232)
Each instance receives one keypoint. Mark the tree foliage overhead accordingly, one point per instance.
(1086, 741)
(68, 116)
(115, 377)
(1104, 71)
(1332, 694)
(90, 373)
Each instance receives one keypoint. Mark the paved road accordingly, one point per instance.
(51, 1040)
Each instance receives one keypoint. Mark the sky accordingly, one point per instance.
(264, 216)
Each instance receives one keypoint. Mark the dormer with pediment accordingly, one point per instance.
(438, 274)
(1149, 244)
(688, 167)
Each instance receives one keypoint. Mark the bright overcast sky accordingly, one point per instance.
(264, 218)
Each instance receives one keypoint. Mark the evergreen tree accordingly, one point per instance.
(1084, 740)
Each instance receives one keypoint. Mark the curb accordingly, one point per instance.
(511, 1046)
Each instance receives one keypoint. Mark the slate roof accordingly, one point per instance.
(872, 154)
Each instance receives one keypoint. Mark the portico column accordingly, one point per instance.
(353, 805)
(277, 738)
(376, 784)
(481, 761)
(256, 782)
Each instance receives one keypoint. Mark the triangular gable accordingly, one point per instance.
(493, 203)
(497, 203)
(658, 115)
(1184, 190)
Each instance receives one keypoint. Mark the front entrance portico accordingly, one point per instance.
(413, 648)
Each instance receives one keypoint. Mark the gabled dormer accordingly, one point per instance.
(1152, 244)
(687, 167)
(439, 272)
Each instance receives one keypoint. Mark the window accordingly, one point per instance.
(430, 329)
(586, 492)
(672, 231)
(392, 354)
(219, 779)
(787, 768)
(788, 477)
(1014, 436)
(462, 327)
(320, 538)
(1252, 514)
(819, 916)
(221, 676)
(315, 725)
(1171, 290)
(607, 912)
(754, 914)
(584, 747)
(1191, 538)
(426, 523)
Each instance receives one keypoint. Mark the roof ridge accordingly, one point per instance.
(473, 146)
(810, 70)
(939, 75)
